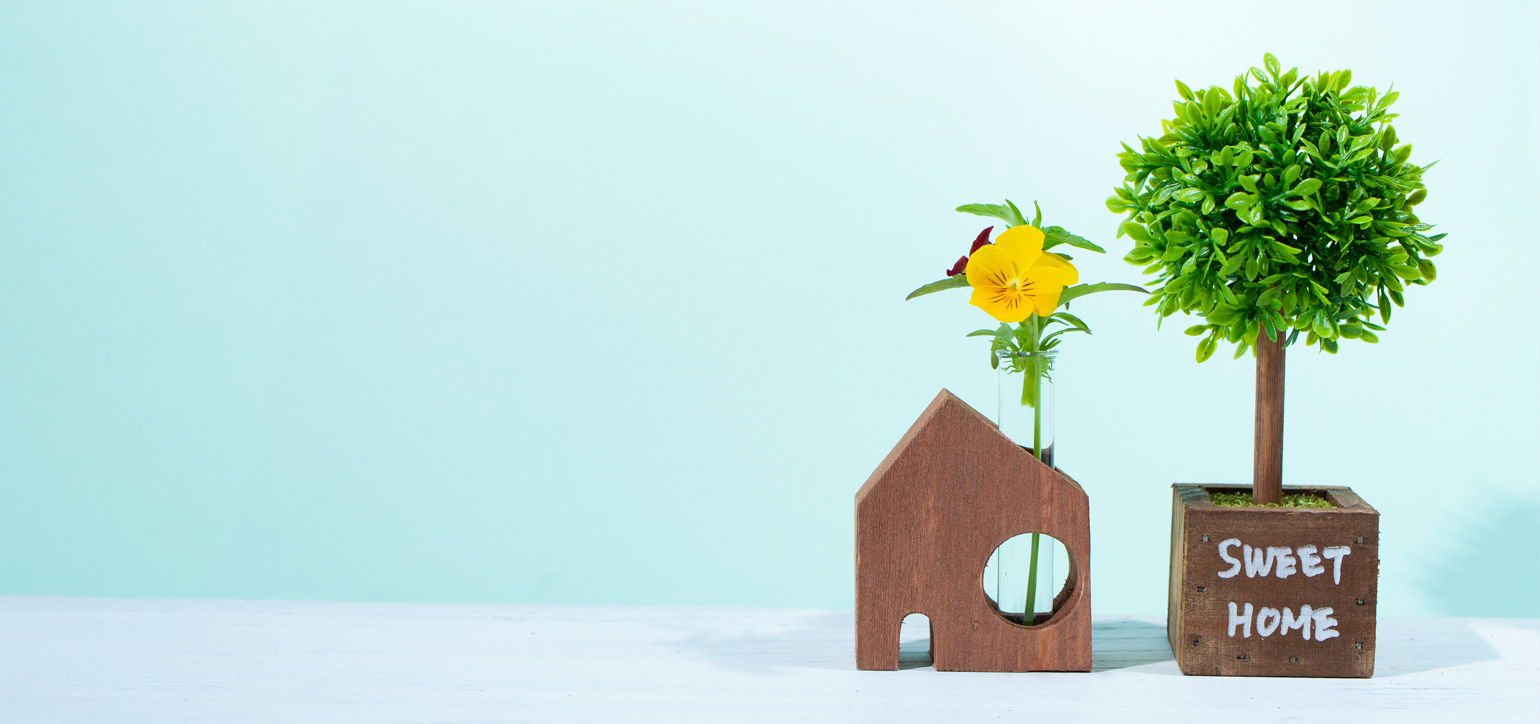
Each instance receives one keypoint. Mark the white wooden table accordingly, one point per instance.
(113, 660)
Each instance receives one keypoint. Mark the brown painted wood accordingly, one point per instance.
(950, 492)
(1267, 455)
(1198, 620)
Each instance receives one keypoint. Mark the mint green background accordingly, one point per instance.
(602, 303)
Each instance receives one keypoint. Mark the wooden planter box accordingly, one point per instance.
(1242, 579)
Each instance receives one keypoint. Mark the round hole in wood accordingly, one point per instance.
(1007, 577)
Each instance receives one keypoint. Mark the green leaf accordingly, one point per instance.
(1008, 214)
(1232, 266)
(1285, 251)
(1135, 231)
(1197, 330)
(1322, 325)
(1189, 195)
(1206, 349)
(1183, 91)
(1429, 272)
(1211, 103)
(1271, 63)
(981, 333)
(1051, 340)
(1055, 235)
(1017, 213)
(1080, 290)
(961, 280)
(1071, 320)
(1252, 214)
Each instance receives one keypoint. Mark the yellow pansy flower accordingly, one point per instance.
(1014, 277)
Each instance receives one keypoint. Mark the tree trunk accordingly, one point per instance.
(1267, 459)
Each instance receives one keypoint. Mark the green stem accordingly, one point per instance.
(1034, 383)
(1029, 612)
(1034, 378)
(1037, 411)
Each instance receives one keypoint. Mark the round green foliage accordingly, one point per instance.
(1284, 206)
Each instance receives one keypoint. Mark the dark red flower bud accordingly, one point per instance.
(962, 261)
(983, 240)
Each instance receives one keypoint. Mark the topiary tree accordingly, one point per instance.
(1275, 211)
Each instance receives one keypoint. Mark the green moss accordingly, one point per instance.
(1297, 500)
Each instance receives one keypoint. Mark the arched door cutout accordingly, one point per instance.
(914, 637)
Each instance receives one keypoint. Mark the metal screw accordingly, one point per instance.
(1194, 642)
(1294, 658)
(1358, 644)
(1360, 539)
(1200, 589)
(1205, 539)
(1242, 657)
(1360, 601)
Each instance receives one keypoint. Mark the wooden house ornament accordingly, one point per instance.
(950, 492)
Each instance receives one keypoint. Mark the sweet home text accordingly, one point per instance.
(1314, 623)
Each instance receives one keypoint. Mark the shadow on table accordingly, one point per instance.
(812, 640)
(1122, 644)
(1114, 644)
(825, 640)
(1409, 646)
(766, 642)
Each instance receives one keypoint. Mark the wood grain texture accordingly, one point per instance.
(950, 492)
(1267, 454)
(1198, 617)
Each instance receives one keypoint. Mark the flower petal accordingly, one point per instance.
(1066, 269)
(1002, 304)
(1044, 285)
(1024, 244)
(989, 267)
